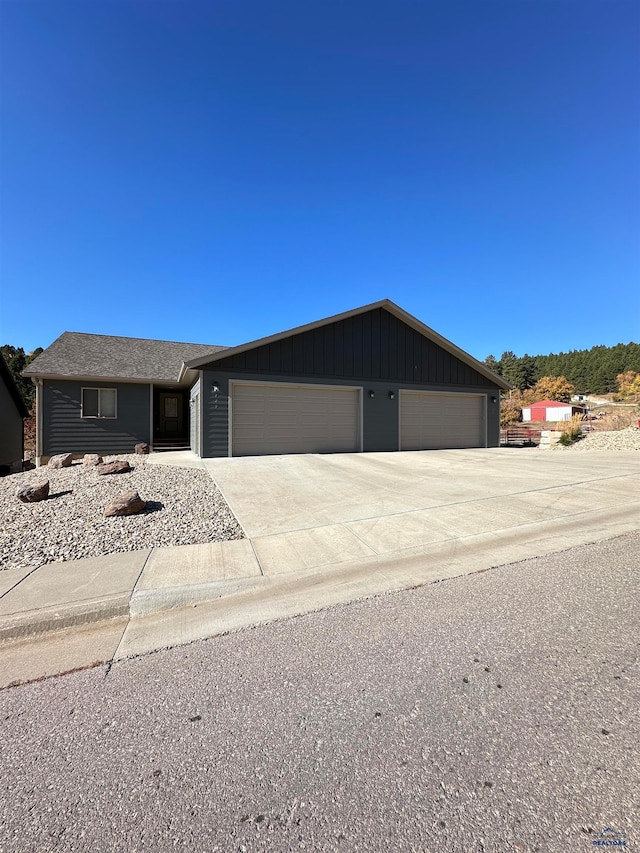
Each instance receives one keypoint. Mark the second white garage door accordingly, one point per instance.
(429, 421)
(280, 418)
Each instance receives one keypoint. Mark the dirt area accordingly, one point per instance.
(617, 419)
(30, 437)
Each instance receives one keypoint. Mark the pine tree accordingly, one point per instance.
(16, 361)
(493, 364)
(509, 367)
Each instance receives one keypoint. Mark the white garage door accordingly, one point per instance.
(429, 421)
(281, 418)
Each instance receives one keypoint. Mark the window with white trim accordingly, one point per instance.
(99, 403)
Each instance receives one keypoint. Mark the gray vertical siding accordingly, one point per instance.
(380, 414)
(215, 406)
(493, 418)
(380, 417)
(374, 345)
(64, 431)
(11, 428)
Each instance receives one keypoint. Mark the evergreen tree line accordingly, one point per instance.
(16, 360)
(590, 371)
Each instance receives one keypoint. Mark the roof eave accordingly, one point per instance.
(72, 377)
(188, 375)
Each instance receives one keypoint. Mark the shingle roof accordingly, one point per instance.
(78, 354)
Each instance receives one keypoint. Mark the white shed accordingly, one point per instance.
(550, 410)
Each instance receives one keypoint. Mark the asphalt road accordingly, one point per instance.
(498, 711)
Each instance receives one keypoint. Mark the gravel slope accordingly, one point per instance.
(184, 507)
(622, 439)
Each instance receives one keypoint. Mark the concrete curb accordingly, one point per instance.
(148, 601)
(52, 619)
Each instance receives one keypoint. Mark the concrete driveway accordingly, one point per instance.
(312, 510)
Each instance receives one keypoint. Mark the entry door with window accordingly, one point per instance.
(170, 414)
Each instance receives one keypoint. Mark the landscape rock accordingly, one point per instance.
(128, 503)
(62, 460)
(91, 460)
(142, 447)
(118, 466)
(184, 507)
(33, 493)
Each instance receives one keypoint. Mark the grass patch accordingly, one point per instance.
(571, 431)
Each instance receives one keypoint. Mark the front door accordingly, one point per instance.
(170, 414)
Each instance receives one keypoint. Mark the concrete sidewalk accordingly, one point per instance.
(337, 528)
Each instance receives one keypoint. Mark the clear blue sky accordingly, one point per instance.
(218, 171)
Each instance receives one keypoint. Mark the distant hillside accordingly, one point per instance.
(591, 371)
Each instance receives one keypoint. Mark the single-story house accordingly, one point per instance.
(12, 414)
(371, 379)
(550, 410)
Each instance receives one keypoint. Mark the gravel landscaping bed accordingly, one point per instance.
(621, 439)
(184, 507)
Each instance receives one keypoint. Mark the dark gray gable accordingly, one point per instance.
(370, 345)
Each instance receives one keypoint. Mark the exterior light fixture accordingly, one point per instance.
(214, 388)
(494, 399)
(392, 395)
(372, 394)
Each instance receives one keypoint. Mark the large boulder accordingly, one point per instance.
(128, 503)
(142, 448)
(62, 460)
(33, 493)
(90, 460)
(118, 466)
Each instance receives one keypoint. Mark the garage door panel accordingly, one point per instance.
(273, 419)
(430, 421)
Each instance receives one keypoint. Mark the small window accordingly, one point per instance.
(98, 403)
(171, 407)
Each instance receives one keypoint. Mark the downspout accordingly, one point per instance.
(151, 416)
(22, 460)
(201, 416)
(38, 384)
